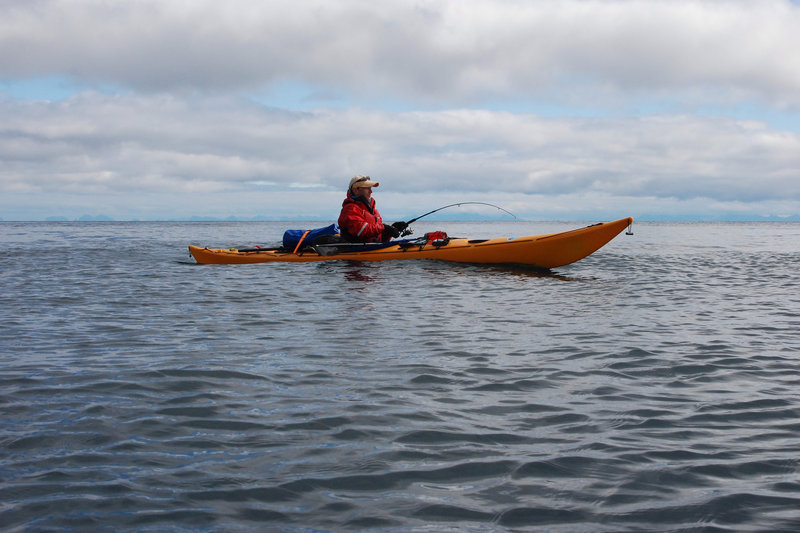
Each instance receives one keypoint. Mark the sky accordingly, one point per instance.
(554, 110)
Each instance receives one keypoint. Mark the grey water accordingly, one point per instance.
(653, 386)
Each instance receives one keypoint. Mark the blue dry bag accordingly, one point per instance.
(292, 236)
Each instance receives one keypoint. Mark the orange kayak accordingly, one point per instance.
(544, 251)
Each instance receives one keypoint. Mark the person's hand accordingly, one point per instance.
(400, 225)
(391, 231)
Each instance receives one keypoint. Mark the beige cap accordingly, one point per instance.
(362, 181)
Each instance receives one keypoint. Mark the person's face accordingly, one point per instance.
(366, 192)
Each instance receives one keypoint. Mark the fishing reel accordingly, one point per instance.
(407, 231)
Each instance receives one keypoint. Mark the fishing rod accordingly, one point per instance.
(406, 230)
(456, 205)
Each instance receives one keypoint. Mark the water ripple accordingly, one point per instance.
(651, 387)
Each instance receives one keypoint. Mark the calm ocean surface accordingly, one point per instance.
(654, 386)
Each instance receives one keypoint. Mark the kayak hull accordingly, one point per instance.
(543, 251)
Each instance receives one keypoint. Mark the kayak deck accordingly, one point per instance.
(544, 251)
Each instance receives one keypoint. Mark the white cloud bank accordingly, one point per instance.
(95, 145)
(181, 133)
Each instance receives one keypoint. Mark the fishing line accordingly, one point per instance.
(460, 204)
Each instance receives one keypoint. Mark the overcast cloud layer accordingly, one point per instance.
(569, 109)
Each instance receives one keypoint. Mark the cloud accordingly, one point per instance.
(452, 53)
(95, 144)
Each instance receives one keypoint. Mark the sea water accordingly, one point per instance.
(653, 386)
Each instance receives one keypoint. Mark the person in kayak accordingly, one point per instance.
(360, 220)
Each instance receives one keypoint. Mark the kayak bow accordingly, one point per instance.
(543, 251)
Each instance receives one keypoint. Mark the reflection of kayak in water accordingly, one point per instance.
(544, 251)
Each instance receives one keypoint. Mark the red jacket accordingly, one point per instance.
(359, 222)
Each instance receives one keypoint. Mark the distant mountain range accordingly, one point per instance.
(84, 218)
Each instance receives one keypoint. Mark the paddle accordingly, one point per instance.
(406, 230)
(327, 249)
(257, 249)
